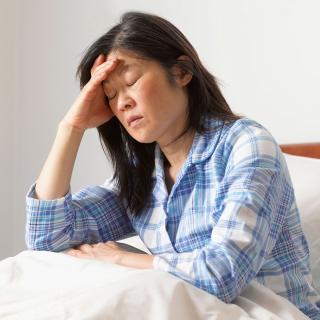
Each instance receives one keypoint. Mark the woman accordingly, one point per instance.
(207, 191)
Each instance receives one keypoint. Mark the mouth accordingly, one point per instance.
(134, 121)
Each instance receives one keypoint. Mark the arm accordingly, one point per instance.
(55, 176)
(93, 214)
(56, 219)
(136, 260)
(255, 197)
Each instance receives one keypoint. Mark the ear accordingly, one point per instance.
(181, 75)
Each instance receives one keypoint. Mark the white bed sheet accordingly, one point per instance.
(47, 285)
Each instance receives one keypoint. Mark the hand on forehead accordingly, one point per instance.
(123, 57)
(126, 61)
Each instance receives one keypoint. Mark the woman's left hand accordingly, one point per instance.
(108, 251)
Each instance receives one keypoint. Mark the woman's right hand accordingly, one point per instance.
(91, 108)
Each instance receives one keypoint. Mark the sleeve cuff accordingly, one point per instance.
(33, 201)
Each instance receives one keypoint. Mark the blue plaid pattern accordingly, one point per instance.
(230, 217)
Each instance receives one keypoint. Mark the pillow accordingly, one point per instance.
(305, 176)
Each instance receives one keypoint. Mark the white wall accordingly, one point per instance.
(7, 125)
(265, 54)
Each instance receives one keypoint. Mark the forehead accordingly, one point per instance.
(123, 54)
(126, 60)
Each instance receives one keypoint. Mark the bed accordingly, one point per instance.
(49, 285)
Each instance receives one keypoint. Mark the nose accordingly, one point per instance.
(125, 102)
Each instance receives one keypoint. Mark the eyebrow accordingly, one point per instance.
(122, 68)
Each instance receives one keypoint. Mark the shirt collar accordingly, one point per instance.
(202, 147)
(205, 144)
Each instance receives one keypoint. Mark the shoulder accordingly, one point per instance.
(242, 137)
(243, 129)
(240, 144)
(247, 144)
(246, 137)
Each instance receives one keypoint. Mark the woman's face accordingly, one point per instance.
(139, 87)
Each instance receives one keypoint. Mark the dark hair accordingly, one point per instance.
(155, 38)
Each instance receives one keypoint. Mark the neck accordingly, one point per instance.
(176, 152)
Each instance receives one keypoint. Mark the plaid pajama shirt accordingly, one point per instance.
(231, 217)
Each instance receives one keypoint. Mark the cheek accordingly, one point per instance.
(112, 105)
(150, 93)
(117, 114)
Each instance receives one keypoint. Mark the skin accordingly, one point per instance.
(144, 89)
(112, 253)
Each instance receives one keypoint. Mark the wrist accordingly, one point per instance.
(135, 260)
(65, 125)
(119, 259)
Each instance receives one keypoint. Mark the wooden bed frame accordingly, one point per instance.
(311, 150)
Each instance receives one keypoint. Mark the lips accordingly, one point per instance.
(133, 118)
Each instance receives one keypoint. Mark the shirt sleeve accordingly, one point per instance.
(93, 214)
(253, 198)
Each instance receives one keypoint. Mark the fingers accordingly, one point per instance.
(100, 244)
(82, 255)
(101, 65)
(100, 59)
(85, 248)
(100, 74)
(80, 249)
(103, 244)
(88, 248)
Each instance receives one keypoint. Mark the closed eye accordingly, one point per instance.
(111, 97)
(131, 84)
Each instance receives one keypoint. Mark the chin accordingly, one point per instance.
(143, 138)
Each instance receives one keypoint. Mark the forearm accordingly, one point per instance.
(55, 176)
(136, 260)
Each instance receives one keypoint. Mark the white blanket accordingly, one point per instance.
(47, 285)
